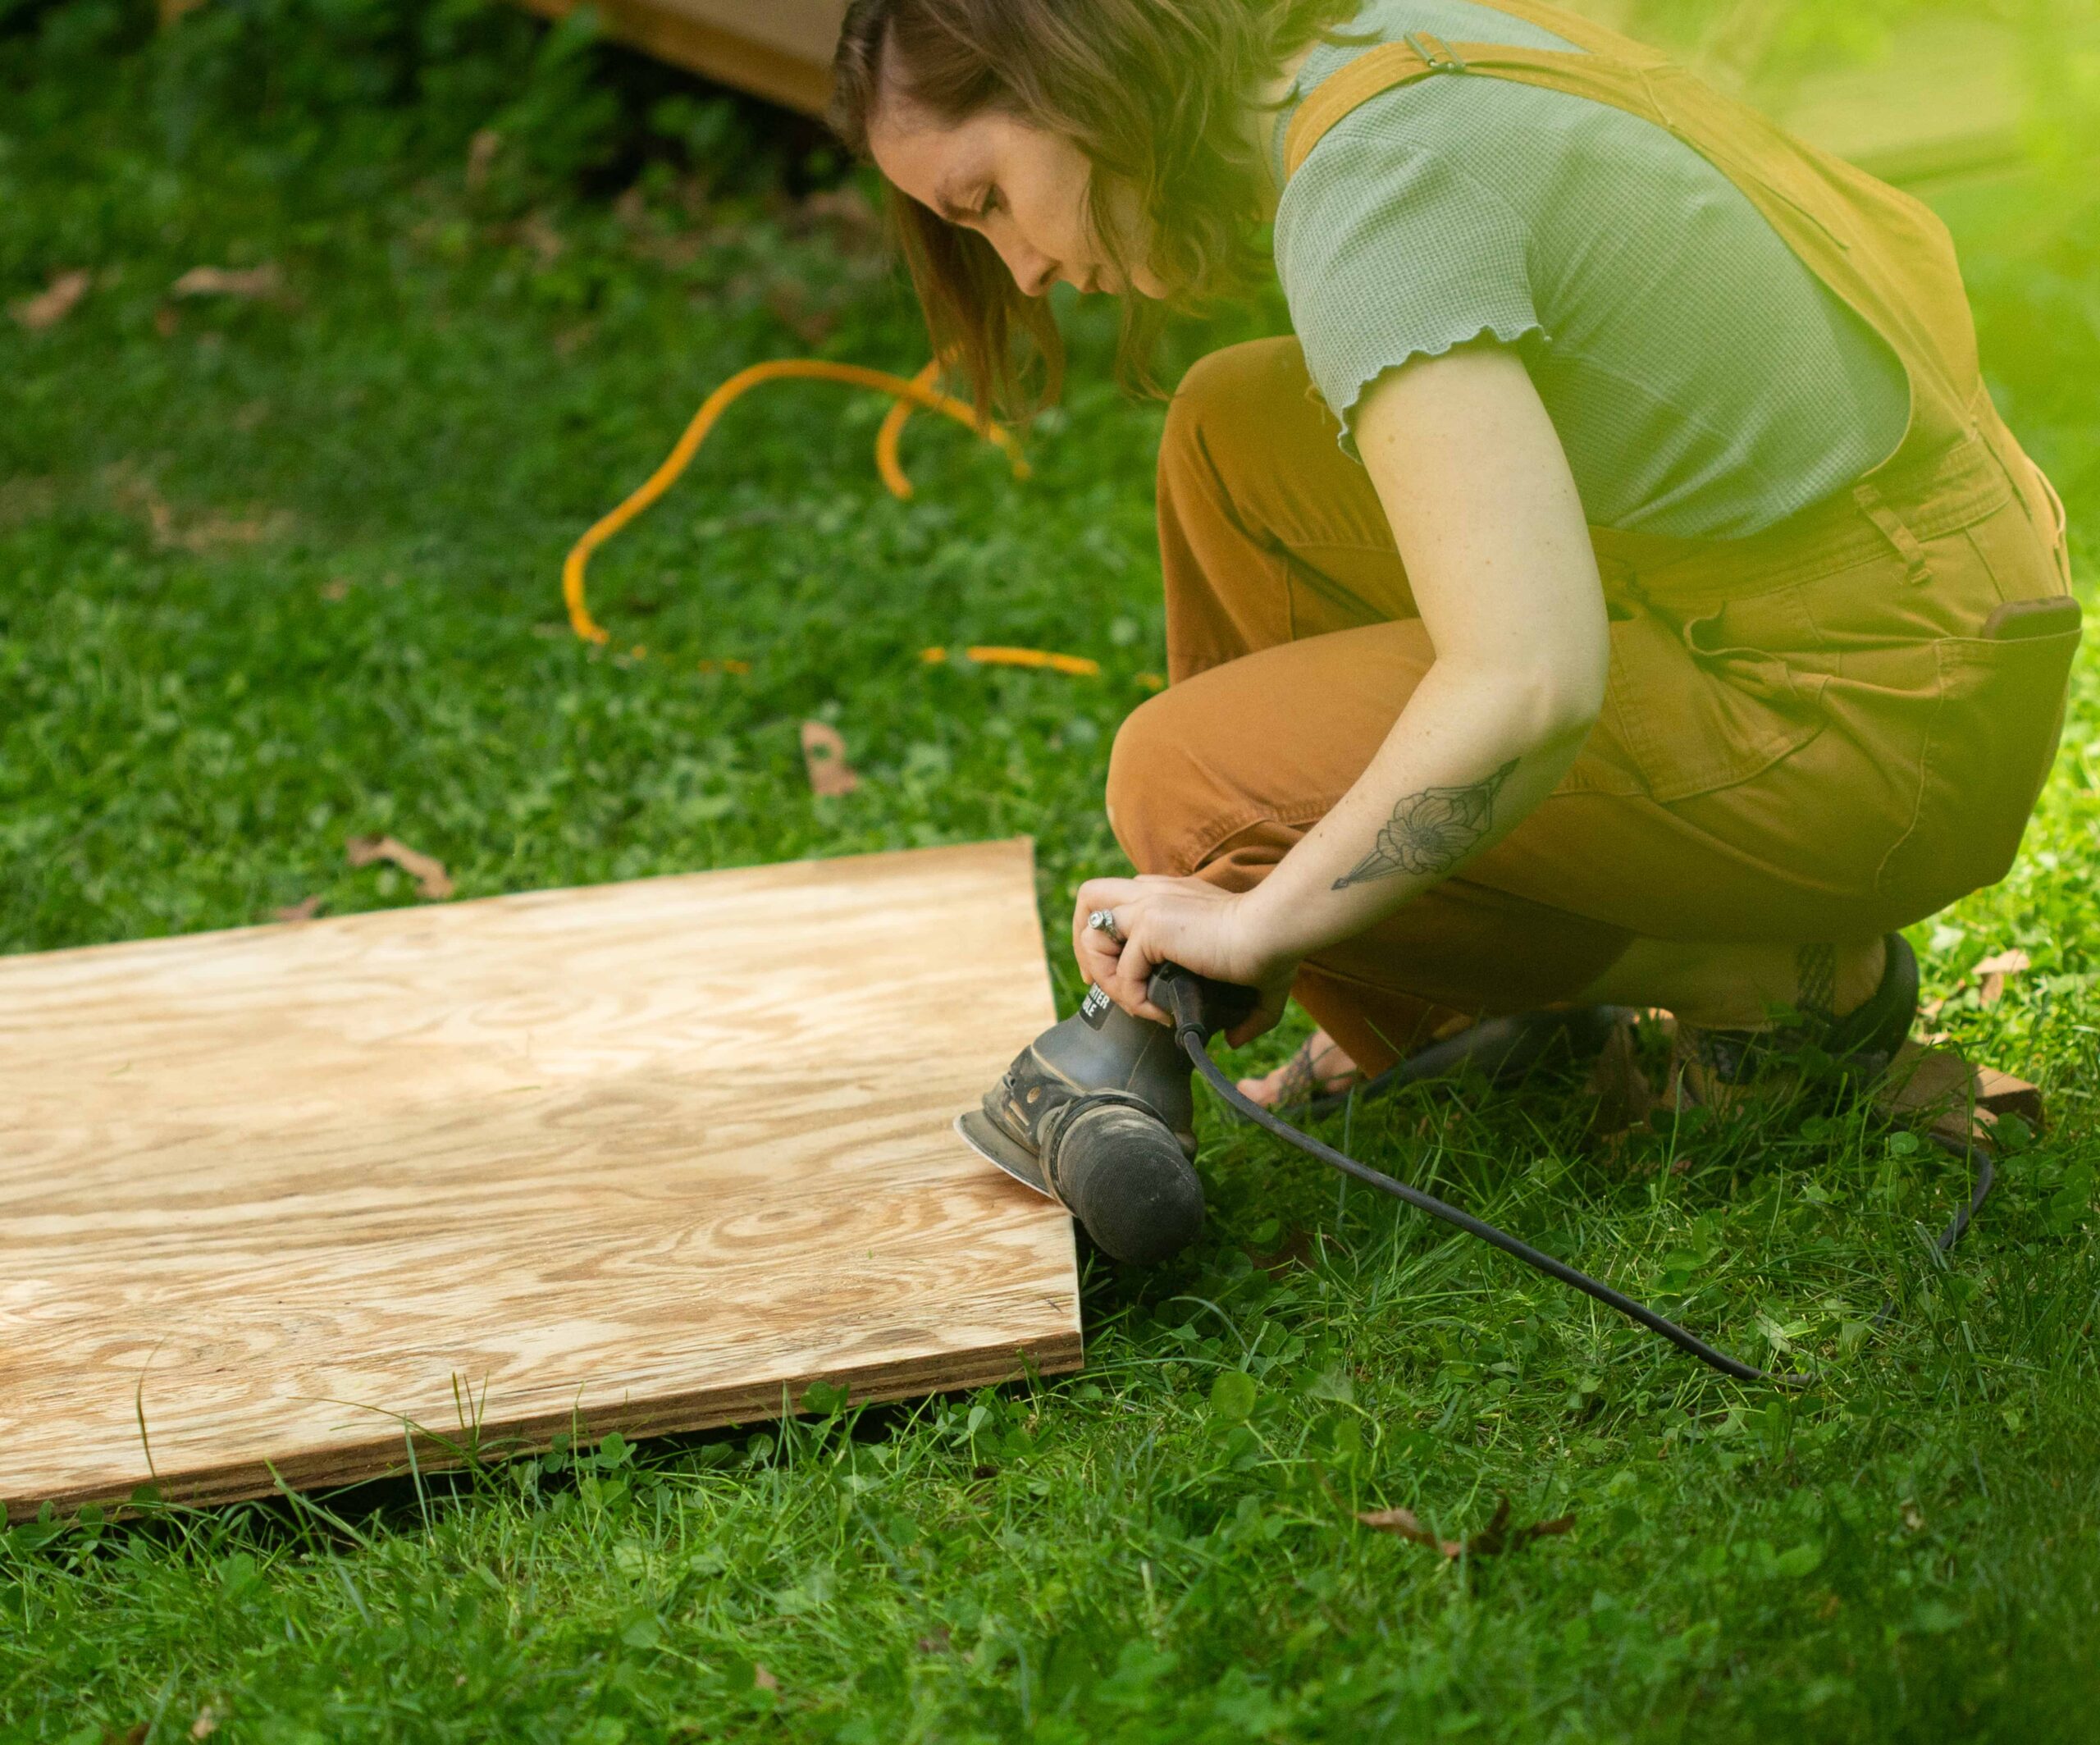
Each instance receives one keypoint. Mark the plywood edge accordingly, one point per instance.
(438, 1450)
(717, 53)
(819, 867)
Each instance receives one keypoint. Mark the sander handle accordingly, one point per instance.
(1198, 1002)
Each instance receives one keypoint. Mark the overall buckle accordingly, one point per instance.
(1436, 54)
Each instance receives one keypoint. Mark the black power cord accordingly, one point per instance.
(1189, 1031)
(1978, 1155)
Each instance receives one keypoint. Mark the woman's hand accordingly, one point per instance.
(1178, 920)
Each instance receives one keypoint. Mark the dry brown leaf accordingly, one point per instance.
(1498, 1536)
(823, 754)
(206, 1725)
(1954, 1100)
(1624, 1096)
(251, 282)
(214, 532)
(762, 1678)
(304, 910)
(431, 879)
(335, 588)
(2003, 1094)
(1925, 1081)
(1404, 1523)
(1491, 1541)
(481, 156)
(1994, 969)
(136, 494)
(54, 303)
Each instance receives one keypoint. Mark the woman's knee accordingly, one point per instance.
(1263, 744)
(1159, 794)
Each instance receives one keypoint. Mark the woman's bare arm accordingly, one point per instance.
(1489, 523)
(1484, 508)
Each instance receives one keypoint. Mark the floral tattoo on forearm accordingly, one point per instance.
(1431, 831)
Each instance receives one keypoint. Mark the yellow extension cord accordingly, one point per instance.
(919, 391)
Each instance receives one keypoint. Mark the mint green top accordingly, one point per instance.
(1705, 383)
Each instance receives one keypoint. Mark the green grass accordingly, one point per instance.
(191, 724)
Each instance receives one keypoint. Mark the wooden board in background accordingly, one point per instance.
(1945, 100)
(646, 1156)
(777, 50)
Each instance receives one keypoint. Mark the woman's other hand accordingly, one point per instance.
(1186, 921)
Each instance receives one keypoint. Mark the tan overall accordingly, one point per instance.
(1823, 732)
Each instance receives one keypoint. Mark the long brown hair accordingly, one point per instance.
(1151, 91)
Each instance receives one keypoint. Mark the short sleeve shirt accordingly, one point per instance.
(1705, 383)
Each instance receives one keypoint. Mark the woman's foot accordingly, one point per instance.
(1736, 987)
(1320, 1068)
(1855, 1001)
(1856, 1004)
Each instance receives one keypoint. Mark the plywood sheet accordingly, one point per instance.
(645, 1157)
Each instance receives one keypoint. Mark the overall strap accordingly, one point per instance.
(1422, 56)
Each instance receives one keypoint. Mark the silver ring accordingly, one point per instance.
(1103, 921)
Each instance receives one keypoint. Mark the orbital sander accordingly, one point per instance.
(1098, 1114)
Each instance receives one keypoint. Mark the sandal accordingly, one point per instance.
(1505, 1048)
(1301, 1080)
(1713, 1065)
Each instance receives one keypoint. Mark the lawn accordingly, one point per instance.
(278, 566)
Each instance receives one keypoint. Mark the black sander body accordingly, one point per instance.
(1098, 1113)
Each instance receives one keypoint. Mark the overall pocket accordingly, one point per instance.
(1992, 737)
(1698, 710)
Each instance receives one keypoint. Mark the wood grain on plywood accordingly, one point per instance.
(780, 50)
(649, 1157)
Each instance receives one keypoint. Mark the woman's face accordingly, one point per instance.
(1022, 190)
